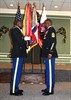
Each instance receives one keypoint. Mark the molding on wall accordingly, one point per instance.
(54, 13)
(70, 36)
(62, 59)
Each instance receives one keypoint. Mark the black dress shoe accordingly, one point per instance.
(17, 94)
(44, 90)
(20, 91)
(47, 93)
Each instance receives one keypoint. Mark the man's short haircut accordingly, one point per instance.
(48, 20)
(16, 21)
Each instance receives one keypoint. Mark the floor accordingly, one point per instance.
(33, 92)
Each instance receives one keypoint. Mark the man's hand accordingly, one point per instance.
(27, 38)
(42, 29)
(49, 56)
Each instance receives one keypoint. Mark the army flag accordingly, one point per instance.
(27, 21)
(34, 36)
(30, 26)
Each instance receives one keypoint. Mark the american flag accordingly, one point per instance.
(18, 14)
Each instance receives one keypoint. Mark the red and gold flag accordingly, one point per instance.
(27, 28)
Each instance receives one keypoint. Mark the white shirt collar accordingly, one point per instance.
(18, 28)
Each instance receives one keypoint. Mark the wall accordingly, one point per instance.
(62, 48)
(7, 21)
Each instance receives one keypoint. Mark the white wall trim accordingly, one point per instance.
(63, 58)
(70, 36)
(54, 13)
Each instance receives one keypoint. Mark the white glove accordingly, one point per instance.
(27, 38)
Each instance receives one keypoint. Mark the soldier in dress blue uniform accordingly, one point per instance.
(49, 53)
(18, 53)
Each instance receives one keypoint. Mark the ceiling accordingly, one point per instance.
(63, 5)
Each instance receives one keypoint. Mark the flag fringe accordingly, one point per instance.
(31, 47)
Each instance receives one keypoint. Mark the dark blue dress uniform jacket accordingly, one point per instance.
(49, 43)
(19, 45)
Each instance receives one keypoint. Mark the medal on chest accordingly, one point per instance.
(45, 34)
